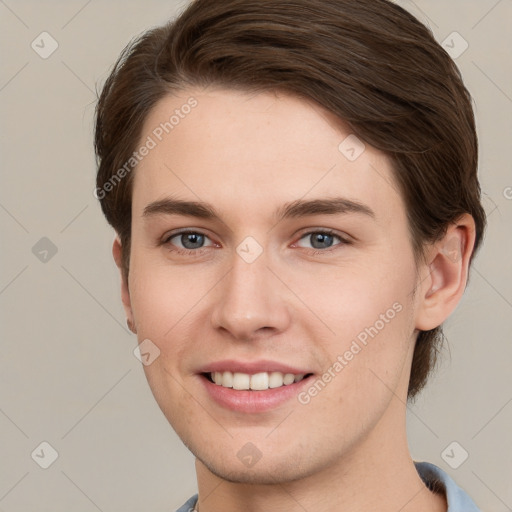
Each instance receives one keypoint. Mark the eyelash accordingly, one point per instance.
(199, 252)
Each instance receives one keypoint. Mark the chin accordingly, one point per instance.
(263, 472)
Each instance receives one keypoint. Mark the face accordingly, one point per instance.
(269, 252)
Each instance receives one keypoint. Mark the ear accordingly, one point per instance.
(448, 267)
(117, 251)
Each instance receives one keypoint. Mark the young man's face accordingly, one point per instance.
(260, 289)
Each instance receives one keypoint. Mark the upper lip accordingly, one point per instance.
(251, 367)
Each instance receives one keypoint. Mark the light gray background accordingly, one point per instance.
(68, 374)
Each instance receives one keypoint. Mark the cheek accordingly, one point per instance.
(369, 316)
(349, 299)
(163, 297)
(164, 301)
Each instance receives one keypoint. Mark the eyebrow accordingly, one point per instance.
(294, 209)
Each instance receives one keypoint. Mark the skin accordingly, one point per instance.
(247, 155)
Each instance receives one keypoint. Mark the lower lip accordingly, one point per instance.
(253, 401)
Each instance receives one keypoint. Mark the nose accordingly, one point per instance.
(250, 301)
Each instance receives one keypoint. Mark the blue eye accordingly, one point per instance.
(191, 241)
(323, 239)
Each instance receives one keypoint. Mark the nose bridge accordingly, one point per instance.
(250, 298)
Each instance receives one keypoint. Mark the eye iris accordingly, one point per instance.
(193, 238)
(321, 238)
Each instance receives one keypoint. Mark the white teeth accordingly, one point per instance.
(257, 382)
(288, 379)
(241, 381)
(227, 379)
(275, 380)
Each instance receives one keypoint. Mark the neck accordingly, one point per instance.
(377, 474)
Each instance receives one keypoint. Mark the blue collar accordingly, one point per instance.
(439, 481)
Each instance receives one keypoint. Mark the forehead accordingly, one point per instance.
(228, 147)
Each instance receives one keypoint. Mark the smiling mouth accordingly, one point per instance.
(254, 382)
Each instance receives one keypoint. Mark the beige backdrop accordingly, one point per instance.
(68, 374)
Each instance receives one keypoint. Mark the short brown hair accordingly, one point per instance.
(369, 62)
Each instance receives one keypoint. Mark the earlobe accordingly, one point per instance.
(447, 274)
(117, 253)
